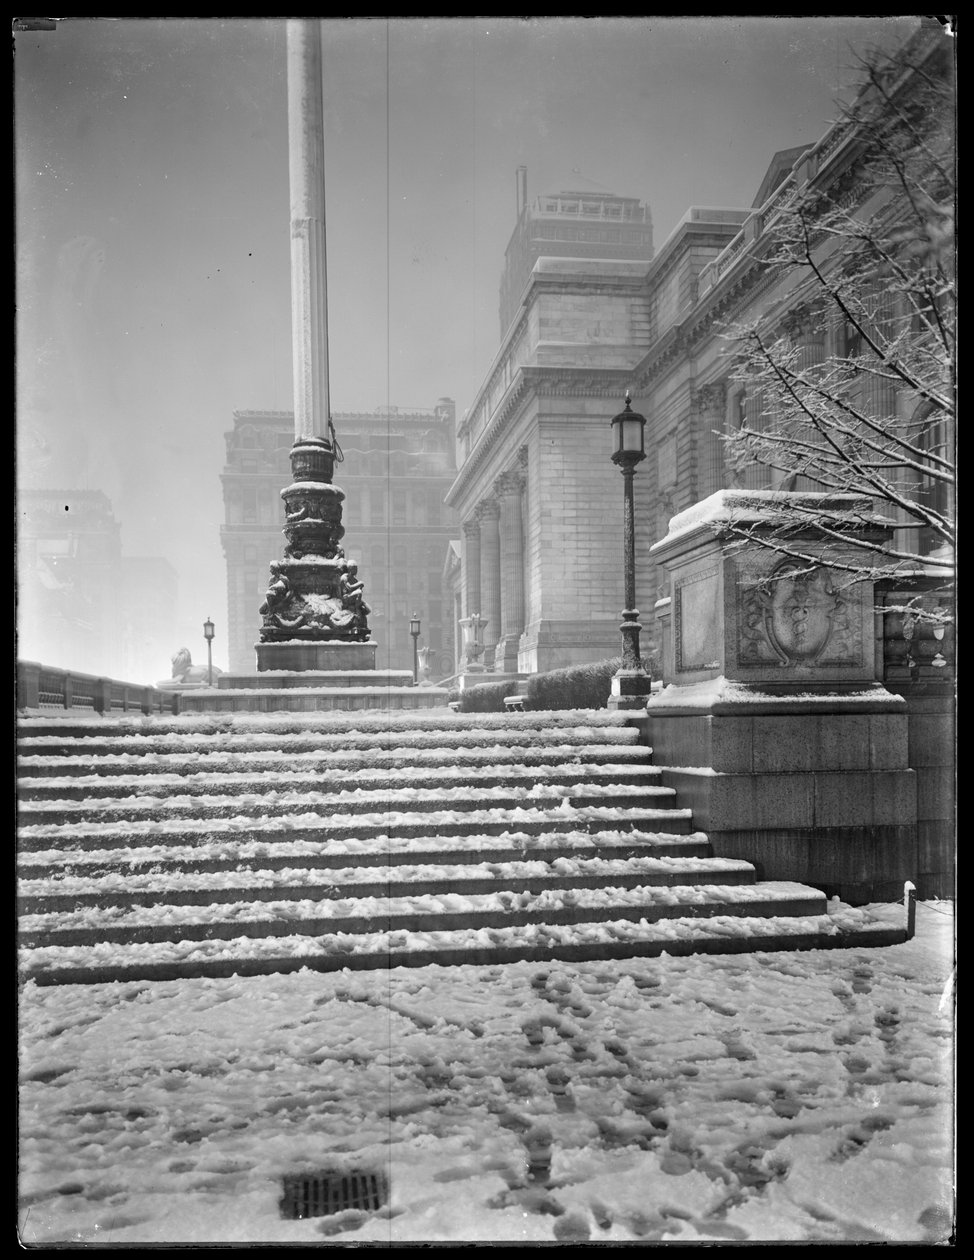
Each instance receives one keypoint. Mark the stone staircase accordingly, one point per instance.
(166, 847)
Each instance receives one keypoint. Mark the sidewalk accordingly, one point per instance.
(786, 1097)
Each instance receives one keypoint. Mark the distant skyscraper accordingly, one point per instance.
(397, 468)
(82, 604)
(570, 225)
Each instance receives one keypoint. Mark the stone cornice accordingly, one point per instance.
(532, 381)
(720, 304)
(345, 417)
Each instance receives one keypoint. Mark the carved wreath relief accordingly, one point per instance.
(792, 619)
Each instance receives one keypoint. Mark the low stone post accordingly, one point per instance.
(101, 695)
(772, 725)
(28, 684)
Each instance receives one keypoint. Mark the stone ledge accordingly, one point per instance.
(723, 696)
(282, 679)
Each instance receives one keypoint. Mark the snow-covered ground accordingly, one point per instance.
(760, 1097)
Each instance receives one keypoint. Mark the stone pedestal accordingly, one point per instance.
(771, 723)
(302, 654)
(630, 689)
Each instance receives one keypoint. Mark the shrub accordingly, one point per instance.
(486, 697)
(577, 687)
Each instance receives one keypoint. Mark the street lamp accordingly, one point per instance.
(208, 633)
(414, 631)
(631, 683)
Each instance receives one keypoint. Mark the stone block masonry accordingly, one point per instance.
(772, 726)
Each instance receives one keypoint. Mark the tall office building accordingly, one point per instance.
(82, 604)
(397, 466)
(570, 225)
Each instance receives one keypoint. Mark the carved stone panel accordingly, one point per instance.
(794, 619)
(696, 622)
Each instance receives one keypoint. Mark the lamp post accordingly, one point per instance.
(414, 631)
(631, 683)
(208, 632)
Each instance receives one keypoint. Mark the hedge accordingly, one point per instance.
(576, 687)
(485, 697)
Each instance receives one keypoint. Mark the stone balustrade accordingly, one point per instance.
(46, 687)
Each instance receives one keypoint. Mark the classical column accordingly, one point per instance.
(755, 476)
(469, 618)
(806, 330)
(306, 156)
(708, 405)
(488, 514)
(805, 327)
(471, 567)
(509, 487)
(878, 393)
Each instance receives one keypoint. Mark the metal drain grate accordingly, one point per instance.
(325, 1193)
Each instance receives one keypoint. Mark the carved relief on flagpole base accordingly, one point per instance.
(314, 592)
(314, 599)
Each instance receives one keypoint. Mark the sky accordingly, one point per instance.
(798, 1098)
(152, 219)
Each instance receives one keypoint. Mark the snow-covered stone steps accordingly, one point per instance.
(414, 912)
(38, 766)
(385, 802)
(229, 855)
(317, 733)
(372, 831)
(576, 942)
(69, 890)
(156, 848)
(87, 787)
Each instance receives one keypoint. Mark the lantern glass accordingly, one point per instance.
(627, 435)
(208, 629)
(414, 626)
(632, 433)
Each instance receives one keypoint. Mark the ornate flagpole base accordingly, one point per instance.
(314, 614)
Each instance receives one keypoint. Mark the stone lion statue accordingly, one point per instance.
(184, 671)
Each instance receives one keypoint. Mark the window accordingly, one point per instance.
(378, 558)
(399, 507)
(249, 505)
(850, 340)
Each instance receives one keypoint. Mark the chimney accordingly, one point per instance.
(522, 190)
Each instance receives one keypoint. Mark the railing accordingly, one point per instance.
(916, 649)
(44, 687)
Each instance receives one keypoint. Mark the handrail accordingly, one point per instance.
(47, 687)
